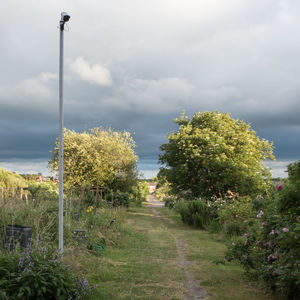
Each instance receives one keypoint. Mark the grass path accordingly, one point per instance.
(161, 258)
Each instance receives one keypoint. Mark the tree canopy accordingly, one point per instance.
(212, 153)
(97, 157)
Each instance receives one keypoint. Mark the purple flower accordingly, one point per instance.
(21, 261)
(39, 239)
(85, 283)
(285, 229)
(279, 188)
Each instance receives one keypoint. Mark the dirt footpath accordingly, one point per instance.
(193, 287)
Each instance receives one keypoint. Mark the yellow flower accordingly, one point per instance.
(90, 209)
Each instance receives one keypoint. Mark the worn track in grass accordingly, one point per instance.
(193, 287)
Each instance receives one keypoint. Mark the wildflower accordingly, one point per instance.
(279, 188)
(272, 257)
(267, 244)
(233, 244)
(285, 229)
(21, 261)
(85, 283)
(90, 209)
(272, 232)
(39, 239)
(260, 213)
(246, 234)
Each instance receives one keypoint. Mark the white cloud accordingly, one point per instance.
(279, 167)
(27, 166)
(47, 76)
(95, 74)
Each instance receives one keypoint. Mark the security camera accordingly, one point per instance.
(65, 17)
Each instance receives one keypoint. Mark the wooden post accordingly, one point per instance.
(97, 193)
(101, 196)
(82, 193)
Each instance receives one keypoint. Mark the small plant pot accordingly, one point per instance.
(17, 234)
(100, 248)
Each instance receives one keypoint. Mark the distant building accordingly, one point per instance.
(152, 187)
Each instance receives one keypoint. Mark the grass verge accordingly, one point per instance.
(144, 263)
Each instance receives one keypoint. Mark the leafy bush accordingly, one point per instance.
(233, 229)
(169, 202)
(140, 192)
(119, 199)
(214, 226)
(39, 274)
(236, 209)
(195, 213)
(269, 249)
(43, 191)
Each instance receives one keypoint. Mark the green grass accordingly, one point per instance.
(205, 250)
(144, 264)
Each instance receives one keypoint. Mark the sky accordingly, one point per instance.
(135, 65)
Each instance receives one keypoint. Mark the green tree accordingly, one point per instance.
(97, 157)
(212, 153)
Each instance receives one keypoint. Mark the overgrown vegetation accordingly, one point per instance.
(263, 233)
(215, 179)
(93, 221)
(39, 273)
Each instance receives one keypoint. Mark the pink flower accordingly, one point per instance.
(272, 257)
(260, 213)
(264, 223)
(272, 232)
(246, 234)
(279, 188)
(285, 229)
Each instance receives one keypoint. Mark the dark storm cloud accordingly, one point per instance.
(135, 65)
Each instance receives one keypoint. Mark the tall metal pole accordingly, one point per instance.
(64, 18)
(61, 142)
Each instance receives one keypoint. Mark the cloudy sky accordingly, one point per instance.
(136, 64)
